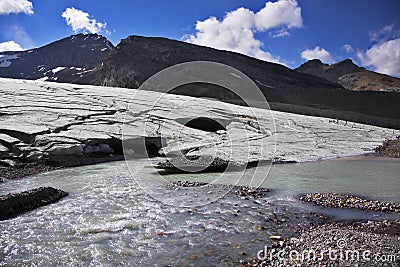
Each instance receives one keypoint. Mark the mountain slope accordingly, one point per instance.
(137, 58)
(350, 76)
(72, 59)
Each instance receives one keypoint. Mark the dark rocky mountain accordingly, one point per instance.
(351, 76)
(74, 59)
(137, 58)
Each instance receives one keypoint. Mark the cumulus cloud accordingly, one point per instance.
(283, 12)
(16, 6)
(81, 21)
(235, 32)
(317, 53)
(10, 46)
(348, 48)
(384, 57)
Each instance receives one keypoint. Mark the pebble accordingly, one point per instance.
(335, 200)
(380, 238)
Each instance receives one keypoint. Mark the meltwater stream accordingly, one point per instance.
(108, 220)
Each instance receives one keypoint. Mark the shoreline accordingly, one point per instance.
(51, 164)
(60, 162)
(367, 156)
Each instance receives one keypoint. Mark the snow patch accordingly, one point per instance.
(5, 60)
(55, 70)
(79, 73)
(76, 68)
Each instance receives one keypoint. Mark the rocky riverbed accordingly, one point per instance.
(335, 244)
(390, 148)
(335, 200)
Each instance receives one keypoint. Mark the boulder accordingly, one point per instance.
(106, 149)
(14, 204)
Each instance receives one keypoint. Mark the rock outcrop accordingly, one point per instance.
(14, 204)
(351, 76)
(43, 120)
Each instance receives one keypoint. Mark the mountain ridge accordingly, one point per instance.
(136, 58)
(351, 76)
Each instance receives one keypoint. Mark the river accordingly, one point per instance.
(108, 220)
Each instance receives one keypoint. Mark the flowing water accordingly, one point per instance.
(108, 220)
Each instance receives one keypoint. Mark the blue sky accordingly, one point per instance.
(286, 31)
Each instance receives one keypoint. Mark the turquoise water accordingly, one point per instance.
(108, 220)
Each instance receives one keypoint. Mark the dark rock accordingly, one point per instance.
(193, 164)
(14, 204)
(206, 164)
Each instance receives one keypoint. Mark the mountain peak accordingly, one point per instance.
(350, 76)
(347, 63)
(64, 60)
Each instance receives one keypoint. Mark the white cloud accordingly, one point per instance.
(18, 34)
(348, 48)
(80, 21)
(384, 57)
(16, 6)
(235, 32)
(386, 33)
(280, 33)
(283, 12)
(10, 46)
(317, 53)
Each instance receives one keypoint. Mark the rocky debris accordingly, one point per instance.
(336, 200)
(350, 239)
(185, 184)
(43, 120)
(56, 162)
(193, 164)
(14, 204)
(245, 191)
(389, 148)
(7, 173)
